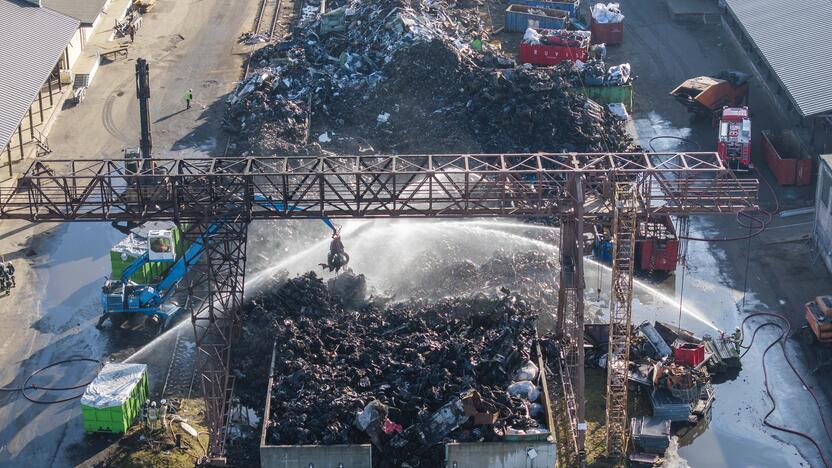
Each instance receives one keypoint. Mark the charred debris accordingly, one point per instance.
(404, 376)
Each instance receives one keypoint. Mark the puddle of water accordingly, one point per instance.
(73, 273)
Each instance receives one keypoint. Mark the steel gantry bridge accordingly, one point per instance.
(576, 189)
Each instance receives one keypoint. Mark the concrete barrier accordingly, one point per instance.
(542, 454)
(316, 456)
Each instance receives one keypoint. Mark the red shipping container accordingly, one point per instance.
(786, 158)
(689, 354)
(657, 248)
(543, 54)
(659, 255)
(606, 33)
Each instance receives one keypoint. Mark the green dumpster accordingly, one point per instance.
(134, 246)
(113, 401)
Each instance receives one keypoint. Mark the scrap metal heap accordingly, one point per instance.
(405, 77)
(400, 362)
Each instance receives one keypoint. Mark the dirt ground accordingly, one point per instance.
(52, 312)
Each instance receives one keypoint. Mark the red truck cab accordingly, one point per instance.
(734, 145)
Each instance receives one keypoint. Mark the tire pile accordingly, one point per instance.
(413, 76)
(397, 362)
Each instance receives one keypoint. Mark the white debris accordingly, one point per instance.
(188, 428)
(619, 74)
(607, 13)
(113, 385)
(618, 110)
(324, 138)
(383, 117)
(524, 389)
(531, 37)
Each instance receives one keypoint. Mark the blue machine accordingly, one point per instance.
(121, 297)
(122, 300)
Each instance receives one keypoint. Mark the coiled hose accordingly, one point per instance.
(785, 331)
(26, 386)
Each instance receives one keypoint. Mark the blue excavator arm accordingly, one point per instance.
(263, 201)
(150, 299)
(134, 267)
(162, 292)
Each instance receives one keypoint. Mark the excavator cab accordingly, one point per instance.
(160, 246)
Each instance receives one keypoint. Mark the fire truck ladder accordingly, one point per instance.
(625, 218)
(573, 187)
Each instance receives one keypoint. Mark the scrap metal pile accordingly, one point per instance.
(674, 365)
(405, 376)
(406, 77)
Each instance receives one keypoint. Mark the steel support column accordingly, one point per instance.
(577, 192)
(570, 316)
(625, 215)
(216, 296)
(9, 157)
(31, 124)
(49, 81)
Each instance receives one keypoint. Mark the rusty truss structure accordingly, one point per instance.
(576, 189)
(368, 186)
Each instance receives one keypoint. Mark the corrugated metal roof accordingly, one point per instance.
(793, 36)
(85, 10)
(31, 42)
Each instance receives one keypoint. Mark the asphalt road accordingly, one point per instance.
(725, 281)
(51, 314)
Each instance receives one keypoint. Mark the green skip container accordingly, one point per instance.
(123, 254)
(113, 401)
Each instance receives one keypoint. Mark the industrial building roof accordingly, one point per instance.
(793, 36)
(31, 42)
(84, 10)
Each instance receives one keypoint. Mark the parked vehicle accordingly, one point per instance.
(707, 95)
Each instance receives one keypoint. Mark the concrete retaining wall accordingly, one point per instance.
(501, 455)
(823, 211)
(316, 456)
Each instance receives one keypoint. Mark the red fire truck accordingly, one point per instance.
(735, 137)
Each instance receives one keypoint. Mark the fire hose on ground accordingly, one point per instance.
(27, 386)
(785, 332)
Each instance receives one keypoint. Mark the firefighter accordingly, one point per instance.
(152, 416)
(10, 273)
(736, 337)
(4, 280)
(337, 257)
(145, 407)
(163, 412)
